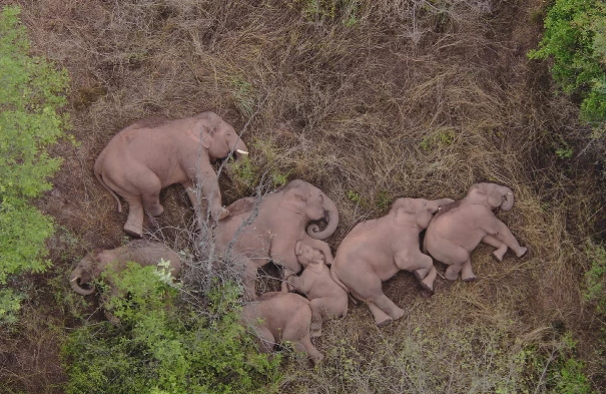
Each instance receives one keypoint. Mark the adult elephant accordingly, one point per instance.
(259, 232)
(375, 250)
(458, 229)
(152, 154)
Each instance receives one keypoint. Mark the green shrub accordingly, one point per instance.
(163, 347)
(32, 92)
(575, 38)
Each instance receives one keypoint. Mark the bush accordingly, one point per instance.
(161, 347)
(32, 92)
(575, 38)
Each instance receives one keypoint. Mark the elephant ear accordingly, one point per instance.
(202, 132)
(403, 209)
(295, 201)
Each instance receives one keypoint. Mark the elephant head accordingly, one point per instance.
(308, 200)
(419, 208)
(85, 272)
(491, 195)
(219, 137)
(309, 257)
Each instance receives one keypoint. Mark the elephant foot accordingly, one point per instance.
(133, 230)
(522, 252)
(315, 333)
(469, 278)
(384, 322)
(497, 256)
(425, 284)
(156, 211)
(317, 358)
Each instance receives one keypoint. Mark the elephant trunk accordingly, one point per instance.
(331, 215)
(508, 199)
(73, 281)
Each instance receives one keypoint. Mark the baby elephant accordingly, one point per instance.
(327, 297)
(279, 317)
(139, 251)
(457, 230)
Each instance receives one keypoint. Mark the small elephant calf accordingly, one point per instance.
(327, 297)
(139, 251)
(282, 317)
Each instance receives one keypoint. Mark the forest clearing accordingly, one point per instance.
(368, 101)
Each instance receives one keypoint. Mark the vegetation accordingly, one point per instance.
(575, 38)
(163, 347)
(31, 95)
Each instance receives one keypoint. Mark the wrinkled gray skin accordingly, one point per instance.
(327, 297)
(152, 154)
(458, 229)
(278, 317)
(280, 222)
(375, 250)
(139, 251)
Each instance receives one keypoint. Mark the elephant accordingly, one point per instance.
(152, 154)
(327, 297)
(375, 250)
(257, 233)
(280, 317)
(99, 260)
(457, 230)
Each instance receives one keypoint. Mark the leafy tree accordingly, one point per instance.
(575, 38)
(30, 95)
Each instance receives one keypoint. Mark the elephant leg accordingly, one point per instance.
(413, 260)
(266, 338)
(305, 346)
(381, 318)
(467, 273)
(286, 273)
(210, 190)
(505, 235)
(452, 272)
(318, 312)
(494, 242)
(250, 275)
(387, 306)
(134, 223)
(430, 278)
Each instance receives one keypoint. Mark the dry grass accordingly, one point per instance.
(385, 99)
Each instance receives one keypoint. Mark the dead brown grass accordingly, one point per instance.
(385, 99)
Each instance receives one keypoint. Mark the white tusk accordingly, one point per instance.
(76, 278)
(242, 152)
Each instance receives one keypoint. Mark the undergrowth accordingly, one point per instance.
(163, 346)
(575, 38)
(32, 93)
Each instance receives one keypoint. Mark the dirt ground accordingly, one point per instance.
(369, 101)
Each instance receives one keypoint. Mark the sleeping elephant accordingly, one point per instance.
(375, 250)
(278, 317)
(457, 229)
(152, 154)
(257, 233)
(139, 251)
(327, 297)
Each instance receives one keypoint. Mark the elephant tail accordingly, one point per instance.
(100, 179)
(334, 277)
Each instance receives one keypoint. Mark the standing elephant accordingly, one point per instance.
(268, 231)
(278, 317)
(139, 251)
(458, 229)
(152, 154)
(375, 250)
(327, 297)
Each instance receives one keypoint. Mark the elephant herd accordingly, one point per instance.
(151, 154)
